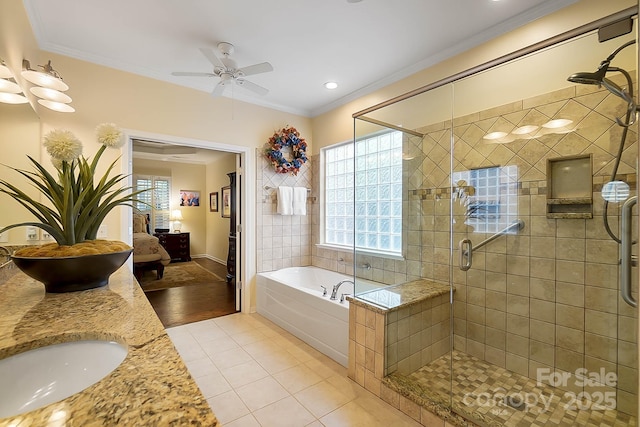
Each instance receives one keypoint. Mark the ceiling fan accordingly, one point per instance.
(228, 71)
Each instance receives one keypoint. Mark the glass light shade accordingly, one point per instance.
(50, 94)
(12, 98)
(5, 72)
(45, 80)
(9, 86)
(56, 106)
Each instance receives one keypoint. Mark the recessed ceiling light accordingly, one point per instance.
(331, 85)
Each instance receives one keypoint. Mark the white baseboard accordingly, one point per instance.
(207, 256)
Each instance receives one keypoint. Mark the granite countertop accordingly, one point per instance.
(394, 297)
(151, 387)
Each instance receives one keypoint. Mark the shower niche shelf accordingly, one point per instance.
(569, 187)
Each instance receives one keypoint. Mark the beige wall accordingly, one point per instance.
(218, 227)
(184, 176)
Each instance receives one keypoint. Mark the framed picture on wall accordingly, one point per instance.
(189, 198)
(213, 202)
(226, 202)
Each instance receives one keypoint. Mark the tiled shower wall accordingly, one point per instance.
(546, 297)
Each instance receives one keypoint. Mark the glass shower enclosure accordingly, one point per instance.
(518, 189)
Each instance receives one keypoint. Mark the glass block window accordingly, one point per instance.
(158, 199)
(363, 193)
(490, 196)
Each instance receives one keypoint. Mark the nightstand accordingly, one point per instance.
(176, 244)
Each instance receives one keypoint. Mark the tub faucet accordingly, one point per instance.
(334, 291)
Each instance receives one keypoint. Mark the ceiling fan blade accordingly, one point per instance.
(263, 67)
(252, 87)
(208, 53)
(217, 91)
(190, 74)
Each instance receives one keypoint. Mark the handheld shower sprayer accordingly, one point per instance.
(599, 78)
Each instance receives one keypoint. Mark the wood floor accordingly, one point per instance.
(188, 304)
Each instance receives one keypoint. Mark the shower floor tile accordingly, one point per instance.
(479, 389)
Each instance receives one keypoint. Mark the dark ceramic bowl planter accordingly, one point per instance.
(73, 273)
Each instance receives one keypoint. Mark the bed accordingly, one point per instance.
(148, 254)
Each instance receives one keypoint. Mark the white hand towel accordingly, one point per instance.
(285, 200)
(299, 200)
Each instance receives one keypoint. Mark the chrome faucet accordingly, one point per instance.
(334, 291)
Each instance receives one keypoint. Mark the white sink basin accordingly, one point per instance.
(45, 375)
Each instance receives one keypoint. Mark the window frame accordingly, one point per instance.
(153, 211)
(396, 255)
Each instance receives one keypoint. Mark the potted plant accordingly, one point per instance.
(75, 202)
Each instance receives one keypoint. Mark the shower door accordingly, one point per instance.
(540, 329)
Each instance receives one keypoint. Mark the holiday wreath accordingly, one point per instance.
(287, 137)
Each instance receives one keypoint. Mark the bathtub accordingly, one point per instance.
(292, 298)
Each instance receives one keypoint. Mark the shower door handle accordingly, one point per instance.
(627, 244)
(466, 250)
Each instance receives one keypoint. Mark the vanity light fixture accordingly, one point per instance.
(8, 86)
(5, 72)
(49, 87)
(12, 98)
(10, 91)
(331, 85)
(50, 94)
(56, 106)
(48, 77)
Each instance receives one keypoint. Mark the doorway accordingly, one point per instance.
(179, 305)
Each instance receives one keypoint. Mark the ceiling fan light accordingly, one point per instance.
(56, 106)
(50, 94)
(8, 86)
(47, 78)
(12, 98)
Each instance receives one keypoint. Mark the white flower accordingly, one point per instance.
(63, 145)
(109, 135)
(57, 163)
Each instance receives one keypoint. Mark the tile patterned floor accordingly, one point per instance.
(253, 373)
(474, 379)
